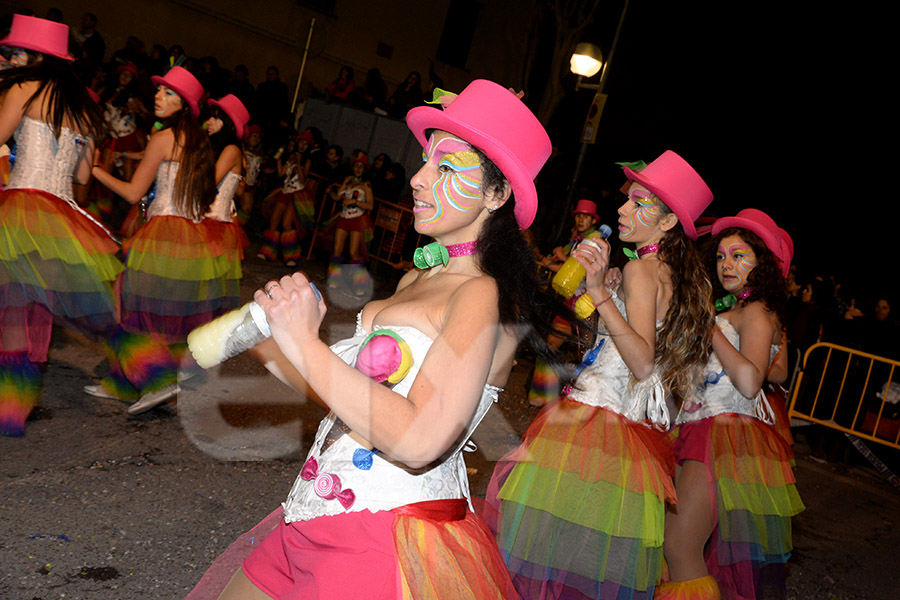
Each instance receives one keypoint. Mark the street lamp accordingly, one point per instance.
(586, 61)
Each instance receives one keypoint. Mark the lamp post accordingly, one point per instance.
(587, 61)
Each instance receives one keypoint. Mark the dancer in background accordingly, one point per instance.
(57, 262)
(384, 487)
(226, 127)
(580, 505)
(172, 282)
(353, 226)
(735, 483)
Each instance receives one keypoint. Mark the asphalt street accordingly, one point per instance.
(98, 504)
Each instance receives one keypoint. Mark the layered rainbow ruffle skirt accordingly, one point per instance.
(55, 258)
(753, 497)
(227, 241)
(579, 507)
(175, 279)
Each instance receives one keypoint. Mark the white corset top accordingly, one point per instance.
(717, 395)
(45, 162)
(608, 382)
(163, 205)
(223, 207)
(377, 484)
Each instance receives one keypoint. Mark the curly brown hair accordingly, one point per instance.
(684, 342)
(765, 281)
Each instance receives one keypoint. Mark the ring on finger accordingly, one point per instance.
(268, 290)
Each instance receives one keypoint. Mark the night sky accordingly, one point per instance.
(775, 109)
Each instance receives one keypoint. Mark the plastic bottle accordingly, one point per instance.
(571, 274)
(228, 335)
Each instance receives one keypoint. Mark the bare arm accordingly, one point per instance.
(778, 370)
(420, 428)
(158, 149)
(13, 109)
(85, 160)
(747, 367)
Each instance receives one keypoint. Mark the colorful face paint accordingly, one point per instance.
(641, 210)
(167, 102)
(460, 182)
(734, 261)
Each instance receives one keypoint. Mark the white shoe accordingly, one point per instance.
(154, 399)
(98, 391)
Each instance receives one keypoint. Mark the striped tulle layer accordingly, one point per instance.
(173, 282)
(52, 255)
(20, 389)
(544, 384)
(579, 507)
(755, 496)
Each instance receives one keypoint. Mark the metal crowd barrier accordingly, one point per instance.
(850, 391)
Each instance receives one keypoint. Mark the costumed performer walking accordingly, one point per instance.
(57, 262)
(580, 505)
(735, 484)
(172, 281)
(385, 486)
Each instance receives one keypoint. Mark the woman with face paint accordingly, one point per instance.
(57, 262)
(580, 505)
(173, 281)
(384, 486)
(227, 126)
(735, 483)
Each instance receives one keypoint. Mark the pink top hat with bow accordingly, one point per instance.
(184, 84)
(235, 110)
(677, 184)
(776, 239)
(494, 120)
(39, 35)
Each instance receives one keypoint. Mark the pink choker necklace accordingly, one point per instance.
(648, 249)
(435, 253)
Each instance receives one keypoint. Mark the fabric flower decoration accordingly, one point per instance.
(385, 357)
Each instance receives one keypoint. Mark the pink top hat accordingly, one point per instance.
(495, 121)
(40, 35)
(130, 67)
(184, 84)
(235, 110)
(776, 239)
(586, 207)
(678, 185)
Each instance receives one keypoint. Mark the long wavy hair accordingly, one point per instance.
(68, 103)
(195, 184)
(227, 136)
(505, 255)
(765, 281)
(684, 341)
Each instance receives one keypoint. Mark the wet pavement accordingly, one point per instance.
(98, 504)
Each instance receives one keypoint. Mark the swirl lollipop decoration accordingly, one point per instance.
(385, 357)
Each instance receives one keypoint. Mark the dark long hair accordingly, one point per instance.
(227, 136)
(765, 280)
(195, 184)
(505, 255)
(67, 97)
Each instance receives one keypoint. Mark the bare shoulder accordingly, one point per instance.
(643, 274)
(408, 279)
(479, 293)
(754, 317)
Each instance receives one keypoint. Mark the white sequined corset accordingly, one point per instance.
(45, 162)
(717, 394)
(163, 204)
(608, 382)
(223, 207)
(376, 484)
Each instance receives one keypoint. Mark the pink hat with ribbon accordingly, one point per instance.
(235, 110)
(492, 119)
(678, 185)
(40, 35)
(586, 207)
(184, 84)
(776, 239)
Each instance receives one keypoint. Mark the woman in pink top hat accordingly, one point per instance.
(173, 282)
(57, 262)
(730, 533)
(580, 505)
(227, 126)
(384, 487)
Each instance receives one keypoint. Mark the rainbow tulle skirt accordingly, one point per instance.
(754, 497)
(227, 241)
(579, 507)
(53, 256)
(174, 280)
